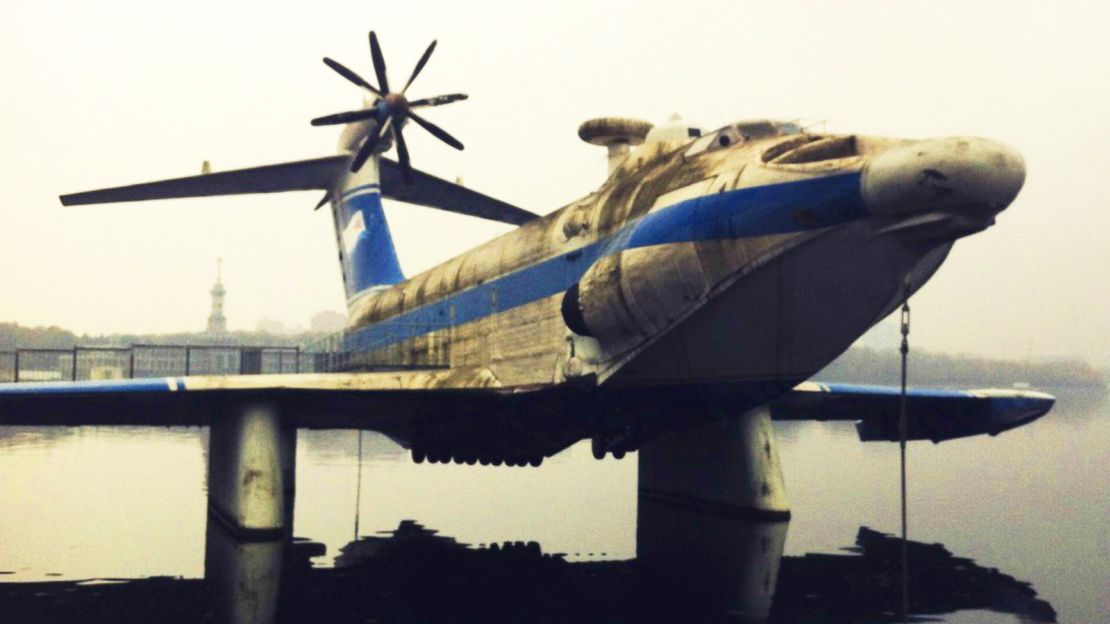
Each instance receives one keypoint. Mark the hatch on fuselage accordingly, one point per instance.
(674, 130)
(620, 135)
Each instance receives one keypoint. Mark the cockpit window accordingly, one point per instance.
(758, 129)
(788, 127)
(744, 131)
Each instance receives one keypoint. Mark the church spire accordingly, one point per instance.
(217, 323)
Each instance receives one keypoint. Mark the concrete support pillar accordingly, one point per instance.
(728, 466)
(251, 471)
(697, 565)
(243, 576)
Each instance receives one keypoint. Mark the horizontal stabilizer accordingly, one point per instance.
(935, 415)
(304, 175)
(428, 190)
(316, 174)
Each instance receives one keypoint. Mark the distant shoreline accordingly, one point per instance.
(883, 366)
(859, 364)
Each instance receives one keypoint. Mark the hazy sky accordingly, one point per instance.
(116, 92)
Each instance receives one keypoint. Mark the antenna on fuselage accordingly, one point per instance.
(618, 134)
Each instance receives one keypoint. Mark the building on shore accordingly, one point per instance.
(217, 323)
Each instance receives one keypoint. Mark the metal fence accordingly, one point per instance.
(384, 346)
(146, 360)
(7, 366)
(43, 365)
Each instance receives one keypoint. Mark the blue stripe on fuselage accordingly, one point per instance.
(756, 211)
(773, 209)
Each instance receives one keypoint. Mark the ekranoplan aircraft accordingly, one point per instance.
(675, 310)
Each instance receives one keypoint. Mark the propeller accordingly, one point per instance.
(390, 110)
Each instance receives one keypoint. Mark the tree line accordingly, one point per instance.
(15, 336)
(883, 366)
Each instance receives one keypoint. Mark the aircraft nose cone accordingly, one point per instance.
(964, 176)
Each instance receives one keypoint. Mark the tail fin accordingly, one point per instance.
(366, 251)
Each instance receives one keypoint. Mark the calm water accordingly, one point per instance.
(1023, 520)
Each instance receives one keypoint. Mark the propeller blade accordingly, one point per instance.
(379, 62)
(395, 109)
(436, 131)
(347, 117)
(350, 75)
(438, 100)
(368, 146)
(403, 155)
(420, 65)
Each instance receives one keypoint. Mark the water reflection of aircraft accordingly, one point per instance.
(676, 309)
(689, 567)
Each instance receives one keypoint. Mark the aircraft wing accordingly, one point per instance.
(459, 411)
(315, 174)
(935, 415)
(469, 403)
(310, 400)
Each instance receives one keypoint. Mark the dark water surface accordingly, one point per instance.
(102, 524)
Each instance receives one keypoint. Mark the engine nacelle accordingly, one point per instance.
(627, 298)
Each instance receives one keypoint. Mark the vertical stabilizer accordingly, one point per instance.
(366, 252)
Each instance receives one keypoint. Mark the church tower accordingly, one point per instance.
(217, 323)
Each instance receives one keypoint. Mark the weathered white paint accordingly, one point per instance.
(955, 172)
(391, 380)
(658, 288)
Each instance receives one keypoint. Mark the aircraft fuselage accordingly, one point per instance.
(728, 258)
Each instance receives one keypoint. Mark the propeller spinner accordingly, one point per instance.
(390, 111)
